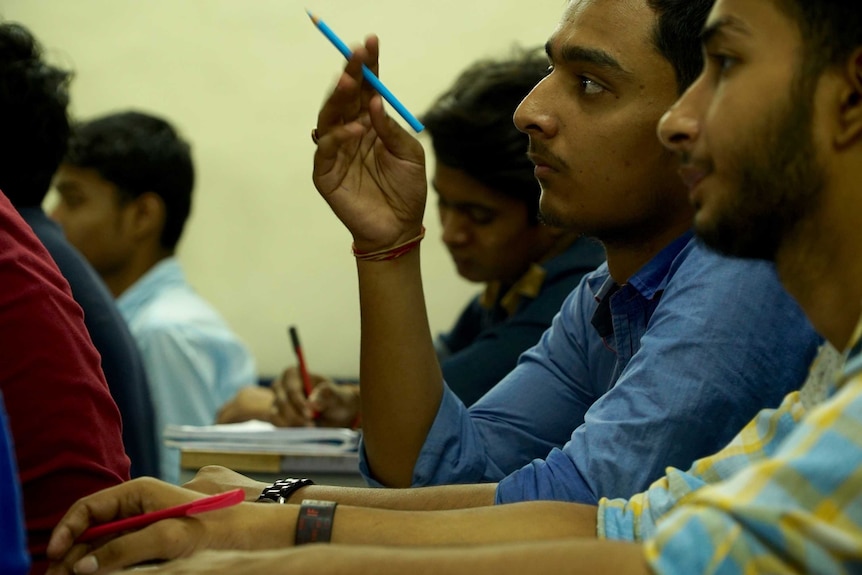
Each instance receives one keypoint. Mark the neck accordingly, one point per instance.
(121, 279)
(626, 257)
(820, 266)
(560, 243)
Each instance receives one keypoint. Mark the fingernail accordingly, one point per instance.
(87, 565)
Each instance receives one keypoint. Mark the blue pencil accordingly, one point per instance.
(368, 74)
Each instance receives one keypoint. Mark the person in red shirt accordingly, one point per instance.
(65, 425)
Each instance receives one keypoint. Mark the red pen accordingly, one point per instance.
(211, 503)
(303, 368)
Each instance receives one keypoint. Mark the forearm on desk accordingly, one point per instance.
(530, 521)
(216, 479)
(401, 379)
(557, 556)
(439, 498)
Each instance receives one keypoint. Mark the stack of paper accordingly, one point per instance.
(262, 437)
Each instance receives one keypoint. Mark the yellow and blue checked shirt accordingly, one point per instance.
(785, 496)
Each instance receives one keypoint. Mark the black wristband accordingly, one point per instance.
(281, 490)
(314, 522)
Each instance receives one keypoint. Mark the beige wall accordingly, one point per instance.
(243, 81)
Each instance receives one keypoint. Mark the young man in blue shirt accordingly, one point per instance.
(657, 358)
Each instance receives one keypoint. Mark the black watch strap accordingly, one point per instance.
(281, 490)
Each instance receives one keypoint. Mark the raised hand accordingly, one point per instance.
(367, 167)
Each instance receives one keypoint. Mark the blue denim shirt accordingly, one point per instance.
(694, 345)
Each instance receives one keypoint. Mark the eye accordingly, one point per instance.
(71, 201)
(722, 62)
(480, 216)
(590, 87)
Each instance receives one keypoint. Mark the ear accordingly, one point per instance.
(851, 102)
(148, 217)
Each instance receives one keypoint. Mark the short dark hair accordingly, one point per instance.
(831, 30)
(34, 127)
(139, 153)
(677, 36)
(472, 129)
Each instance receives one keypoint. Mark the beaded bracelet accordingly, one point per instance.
(389, 253)
(314, 522)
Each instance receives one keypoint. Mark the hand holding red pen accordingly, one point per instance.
(211, 503)
(337, 405)
(166, 539)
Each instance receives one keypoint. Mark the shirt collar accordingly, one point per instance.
(853, 355)
(165, 273)
(648, 281)
(528, 286)
(652, 278)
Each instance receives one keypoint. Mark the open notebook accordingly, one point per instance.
(262, 437)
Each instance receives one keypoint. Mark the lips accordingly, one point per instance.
(542, 163)
(692, 175)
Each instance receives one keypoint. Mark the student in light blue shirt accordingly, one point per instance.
(125, 190)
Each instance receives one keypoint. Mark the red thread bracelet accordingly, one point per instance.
(389, 253)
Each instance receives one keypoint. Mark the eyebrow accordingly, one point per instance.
(722, 26)
(594, 56)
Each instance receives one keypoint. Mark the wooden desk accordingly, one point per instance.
(329, 469)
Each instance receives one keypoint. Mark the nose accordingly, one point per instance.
(534, 116)
(679, 127)
(456, 228)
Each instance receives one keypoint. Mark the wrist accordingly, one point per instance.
(400, 247)
(266, 527)
(282, 490)
(314, 522)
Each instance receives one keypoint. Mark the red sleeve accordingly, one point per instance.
(65, 425)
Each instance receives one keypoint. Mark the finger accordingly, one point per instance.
(227, 413)
(163, 540)
(372, 62)
(396, 139)
(117, 501)
(372, 46)
(279, 386)
(323, 397)
(291, 402)
(294, 388)
(344, 103)
(130, 498)
(64, 567)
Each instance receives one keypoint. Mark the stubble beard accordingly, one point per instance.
(779, 183)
